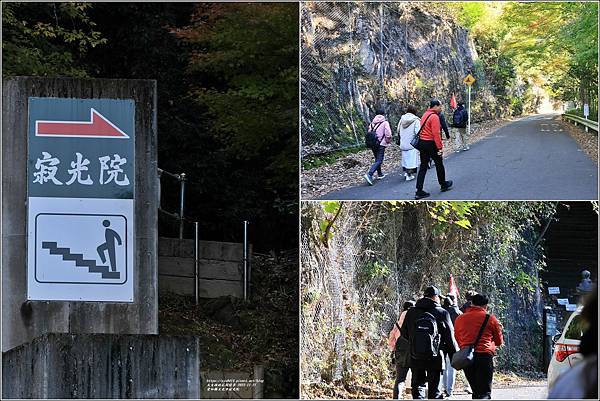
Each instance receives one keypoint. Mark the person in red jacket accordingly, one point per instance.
(466, 328)
(431, 148)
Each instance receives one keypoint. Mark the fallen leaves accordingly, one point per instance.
(587, 141)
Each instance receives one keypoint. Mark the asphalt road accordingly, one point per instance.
(530, 159)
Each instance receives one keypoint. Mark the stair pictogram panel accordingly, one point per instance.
(79, 260)
(81, 248)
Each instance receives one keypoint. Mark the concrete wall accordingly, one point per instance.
(220, 270)
(23, 321)
(103, 366)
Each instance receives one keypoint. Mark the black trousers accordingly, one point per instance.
(401, 373)
(430, 151)
(480, 375)
(378, 153)
(420, 377)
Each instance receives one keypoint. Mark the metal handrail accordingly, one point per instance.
(182, 179)
(583, 121)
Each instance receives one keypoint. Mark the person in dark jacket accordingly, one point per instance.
(450, 373)
(428, 371)
(399, 346)
(444, 125)
(460, 126)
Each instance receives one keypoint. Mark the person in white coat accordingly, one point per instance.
(408, 126)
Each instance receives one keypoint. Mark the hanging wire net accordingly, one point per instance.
(381, 255)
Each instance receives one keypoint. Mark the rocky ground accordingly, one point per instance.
(349, 170)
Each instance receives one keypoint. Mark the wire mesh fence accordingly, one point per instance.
(324, 55)
(380, 255)
(359, 56)
(350, 302)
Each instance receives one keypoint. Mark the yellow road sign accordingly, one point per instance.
(469, 79)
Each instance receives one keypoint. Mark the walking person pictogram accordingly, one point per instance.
(110, 236)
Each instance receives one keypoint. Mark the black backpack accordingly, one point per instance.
(425, 341)
(459, 119)
(371, 140)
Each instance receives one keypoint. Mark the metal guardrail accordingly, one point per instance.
(583, 121)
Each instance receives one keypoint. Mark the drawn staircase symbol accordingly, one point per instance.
(53, 248)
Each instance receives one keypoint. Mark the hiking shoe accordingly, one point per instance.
(457, 151)
(421, 194)
(466, 148)
(381, 177)
(447, 186)
(368, 179)
(410, 177)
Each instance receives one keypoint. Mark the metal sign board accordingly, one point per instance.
(80, 188)
(469, 79)
(562, 301)
(550, 324)
(553, 290)
(586, 110)
(571, 307)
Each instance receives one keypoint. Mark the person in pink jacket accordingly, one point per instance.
(384, 136)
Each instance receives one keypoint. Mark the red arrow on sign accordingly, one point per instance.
(98, 127)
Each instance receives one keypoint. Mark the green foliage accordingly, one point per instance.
(554, 45)
(47, 39)
(332, 210)
(245, 68)
(446, 213)
(579, 112)
(372, 271)
(227, 97)
(555, 41)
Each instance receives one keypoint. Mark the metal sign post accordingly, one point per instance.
(196, 261)
(245, 261)
(81, 190)
(181, 203)
(469, 80)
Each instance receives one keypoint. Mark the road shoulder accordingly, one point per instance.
(587, 141)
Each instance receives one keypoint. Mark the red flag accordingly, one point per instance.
(453, 288)
(453, 103)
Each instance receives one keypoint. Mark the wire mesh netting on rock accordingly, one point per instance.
(377, 255)
(357, 57)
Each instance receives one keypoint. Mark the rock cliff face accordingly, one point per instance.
(360, 56)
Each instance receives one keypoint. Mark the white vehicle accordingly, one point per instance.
(566, 349)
